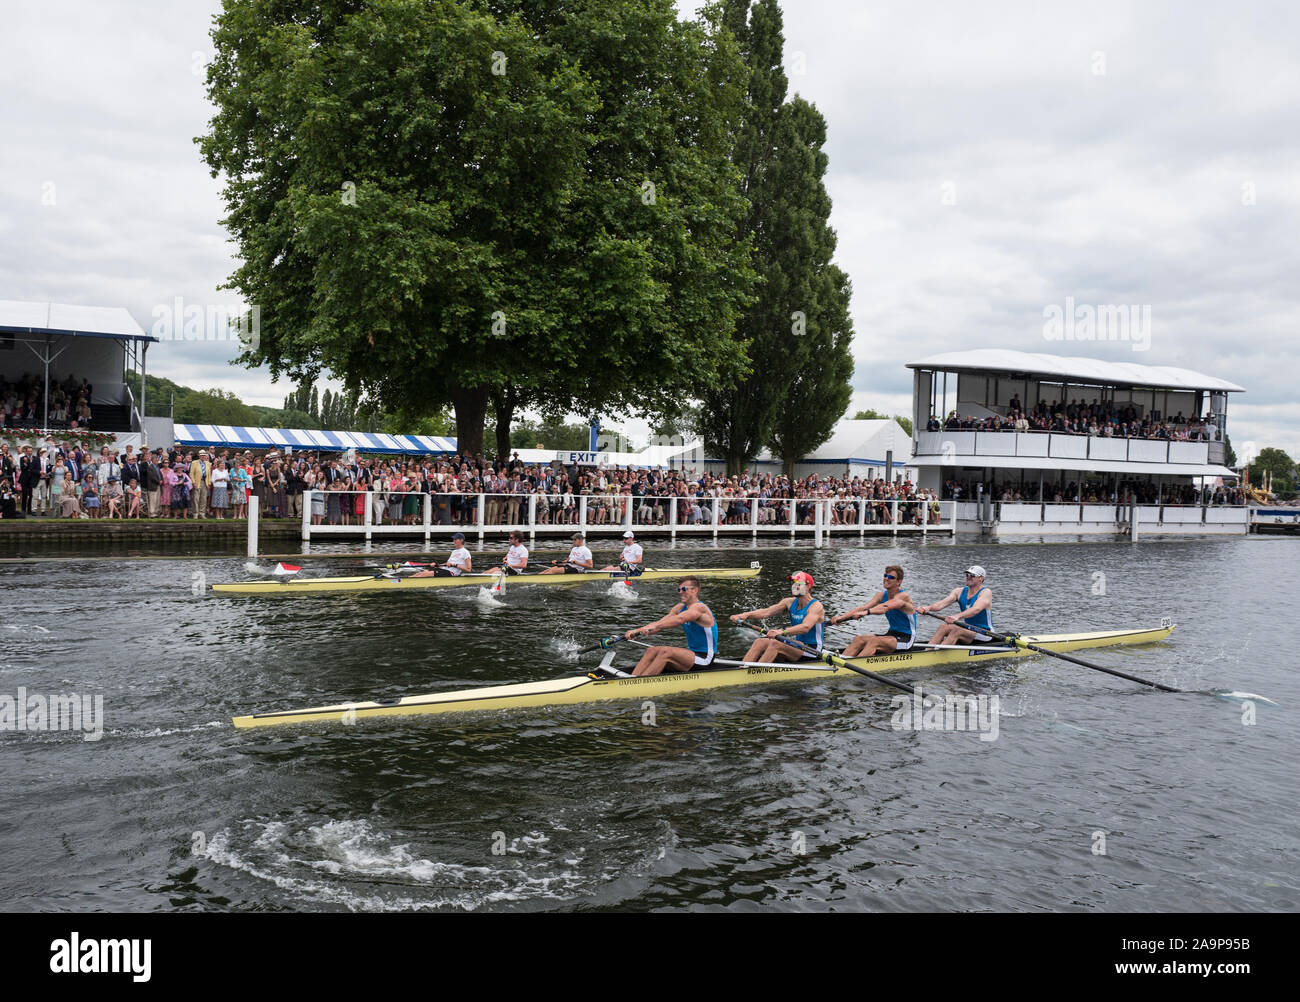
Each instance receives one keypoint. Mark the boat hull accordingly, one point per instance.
(581, 689)
(315, 586)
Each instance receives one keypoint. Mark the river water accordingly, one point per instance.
(1097, 794)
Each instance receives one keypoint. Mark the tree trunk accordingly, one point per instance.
(471, 408)
(504, 404)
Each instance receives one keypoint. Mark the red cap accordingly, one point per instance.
(802, 576)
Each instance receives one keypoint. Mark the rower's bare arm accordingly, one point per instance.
(815, 616)
(901, 602)
(857, 612)
(678, 617)
(936, 606)
(771, 610)
(667, 622)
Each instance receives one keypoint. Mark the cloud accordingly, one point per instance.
(985, 161)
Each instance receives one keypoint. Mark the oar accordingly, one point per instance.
(836, 660)
(1019, 642)
(605, 644)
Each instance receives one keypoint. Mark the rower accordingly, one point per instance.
(516, 561)
(579, 560)
(701, 629)
(900, 618)
(632, 560)
(976, 604)
(457, 564)
(807, 624)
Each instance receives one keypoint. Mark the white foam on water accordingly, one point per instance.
(163, 732)
(23, 626)
(332, 863)
(1242, 696)
(621, 591)
(487, 597)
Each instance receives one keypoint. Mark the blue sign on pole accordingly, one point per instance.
(595, 435)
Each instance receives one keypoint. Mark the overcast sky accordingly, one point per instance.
(987, 161)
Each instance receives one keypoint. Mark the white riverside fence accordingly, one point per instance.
(388, 515)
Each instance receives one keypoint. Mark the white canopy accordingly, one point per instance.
(1074, 369)
(63, 319)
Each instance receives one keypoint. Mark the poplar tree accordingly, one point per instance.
(798, 328)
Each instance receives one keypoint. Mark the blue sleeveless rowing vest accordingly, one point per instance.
(813, 638)
(701, 641)
(984, 620)
(898, 620)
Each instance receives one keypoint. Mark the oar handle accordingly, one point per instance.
(835, 659)
(605, 644)
(1000, 638)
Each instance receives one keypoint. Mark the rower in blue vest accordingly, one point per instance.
(975, 603)
(900, 619)
(701, 629)
(807, 624)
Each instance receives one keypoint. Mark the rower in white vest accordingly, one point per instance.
(457, 564)
(516, 561)
(632, 559)
(579, 560)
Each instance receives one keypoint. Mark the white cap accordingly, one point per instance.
(976, 570)
(629, 534)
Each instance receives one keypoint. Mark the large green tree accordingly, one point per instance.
(798, 327)
(439, 201)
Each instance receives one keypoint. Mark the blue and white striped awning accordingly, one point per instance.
(240, 437)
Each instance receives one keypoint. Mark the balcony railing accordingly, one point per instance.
(951, 445)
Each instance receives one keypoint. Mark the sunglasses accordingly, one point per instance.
(890, 577)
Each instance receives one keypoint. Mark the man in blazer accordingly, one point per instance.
(201, 476)
(151, 482)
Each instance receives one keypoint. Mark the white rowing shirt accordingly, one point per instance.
(632, 553)
(580, 555)
(516, 555)
(458, 561)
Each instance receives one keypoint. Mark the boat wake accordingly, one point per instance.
(621, 591)
(490, 598)
(353, 866)
(163, 732)
(1232, 696)
(20, 626)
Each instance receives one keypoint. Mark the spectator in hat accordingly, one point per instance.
(112, 497)
(200, 476)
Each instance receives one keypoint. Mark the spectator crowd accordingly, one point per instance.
(1097, 492)
(22, 403)
(68, 480)
(1078, 418)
